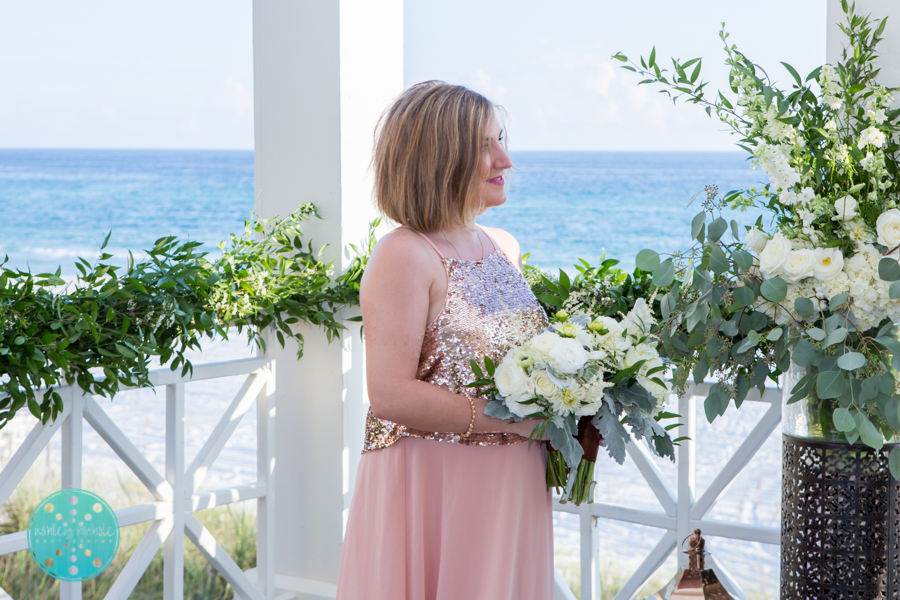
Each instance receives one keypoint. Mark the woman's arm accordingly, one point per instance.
(404, 279)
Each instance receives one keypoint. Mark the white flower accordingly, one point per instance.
(643, 352)
(877, 115)
(828, 264)
(515, 406)
(773, 256)
(845, 207)
(542, 344)
(859, 232)
(871, 137)
(522, 357)
(612, 339)
(640, 319)
(567, 356)
(511, 379)
(798, 265)
(542, 384)
(756, 239)
(803, 197)
(888, 228)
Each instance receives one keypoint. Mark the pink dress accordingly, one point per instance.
(439, 517)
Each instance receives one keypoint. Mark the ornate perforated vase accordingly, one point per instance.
(840, 508)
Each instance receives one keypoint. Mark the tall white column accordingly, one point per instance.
(323, 72)
(888, 49)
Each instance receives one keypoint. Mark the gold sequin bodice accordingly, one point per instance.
(489, 309)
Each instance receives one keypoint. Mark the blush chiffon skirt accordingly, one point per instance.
(432, 520)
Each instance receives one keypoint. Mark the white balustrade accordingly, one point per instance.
(176, 494)
(682, 511)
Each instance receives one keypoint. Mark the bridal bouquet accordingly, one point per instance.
(583, 368)
(821, 288)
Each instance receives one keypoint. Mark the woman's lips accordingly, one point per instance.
(497, 180)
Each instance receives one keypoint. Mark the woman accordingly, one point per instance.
(449, 503)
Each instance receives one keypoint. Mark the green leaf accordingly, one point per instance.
(647, 260)
(852, 361)
(894, 290)
(804, 307)
(717, 261)
(743, 296)
(830, 384)
(843, 420)
(868, 433)
(550, 299)
(743, 259)
(774, 290)
(775, 335)
(664, 275)
(793, 73)
(894, 462)
(835, 337)
(816, 334)
(697, 224)
(716, 229)
(889, 269)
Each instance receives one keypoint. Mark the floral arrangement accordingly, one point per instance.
(821, 289)
(583, 368)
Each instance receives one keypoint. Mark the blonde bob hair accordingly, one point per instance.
(428, 151)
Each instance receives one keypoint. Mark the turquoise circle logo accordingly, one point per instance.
(73, 535)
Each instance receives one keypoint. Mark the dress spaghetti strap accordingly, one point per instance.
(490, 239)
(425, 237)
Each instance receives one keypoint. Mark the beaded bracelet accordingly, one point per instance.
(472, 422)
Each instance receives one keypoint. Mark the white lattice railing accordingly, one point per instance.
(682, 511)
(176, 496)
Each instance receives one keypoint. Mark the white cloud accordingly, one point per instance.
(110, 112)
(234, 95)
(604, 78)
(484, 85)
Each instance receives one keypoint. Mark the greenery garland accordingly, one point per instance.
(102, 331)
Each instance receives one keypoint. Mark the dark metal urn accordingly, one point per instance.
(840, 522)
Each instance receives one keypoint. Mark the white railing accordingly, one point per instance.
(682, 511)
(176, 494)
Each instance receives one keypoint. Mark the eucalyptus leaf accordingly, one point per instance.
(774, 289)
(743, 296)
(697, 224)
(664, 275)
(743, 259)
(868, 433)
(889, 270)
(647, 260)
(804, 353)
(830, 384)
(716, 229)
(843, 420)
(835, 337)
(804, 307)
(852, 361)
(894, 462)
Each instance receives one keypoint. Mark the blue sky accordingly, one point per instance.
(167, 74)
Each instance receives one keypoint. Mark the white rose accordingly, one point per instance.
(888, 228)
(773, 256)
(756, 239)
(510, 378)
(567, 356)
(514, 402)
(798, 265)
(845, 207)
(543, 385)
(542, 344)
(829, 262)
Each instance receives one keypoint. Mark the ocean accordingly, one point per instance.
(56, 205)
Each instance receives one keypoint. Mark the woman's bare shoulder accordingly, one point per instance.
(507, 243)
(403, 251)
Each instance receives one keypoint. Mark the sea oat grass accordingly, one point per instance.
(234, 527)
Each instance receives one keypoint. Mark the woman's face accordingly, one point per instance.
(494, 163)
